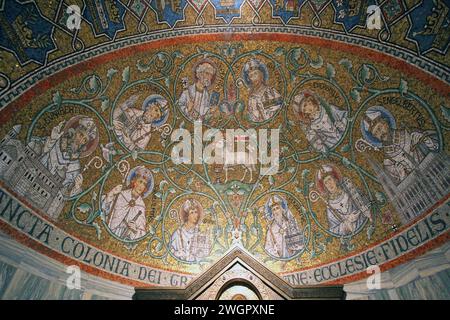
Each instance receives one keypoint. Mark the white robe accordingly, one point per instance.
(407, 150)
(323, 133)
(264, 103)
(59, 162)
(120, 210)
(345, 215)
(277, 231)
(190, 245)
(200, 99)
(139, 132)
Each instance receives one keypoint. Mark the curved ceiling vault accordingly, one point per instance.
(87, 118)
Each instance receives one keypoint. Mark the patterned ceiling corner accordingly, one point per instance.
(96, 94)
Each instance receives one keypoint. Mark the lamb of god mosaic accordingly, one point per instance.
(170, 157)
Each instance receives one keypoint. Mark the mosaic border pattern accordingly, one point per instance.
(25, 83)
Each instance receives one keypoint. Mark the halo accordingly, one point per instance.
(301, 96)
(197, 204)
(268, 209)
(201, 61)
(365, 130)
(261, 66)
(156, 98)
(319, 180)
(92, 144)
(150, 182)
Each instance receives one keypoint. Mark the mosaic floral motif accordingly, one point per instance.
(169, 11)
(319, 4)
(105, 16)
(285, 9)
(104, 22)
(352, 13)
(256, 4)
(25, 32)
(227, 9)
(361, 154)
(139, 7)
(393, 9)
(87, 117)
(430, 25)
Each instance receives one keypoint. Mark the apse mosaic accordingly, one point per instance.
(86, 155)
(37, 33)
